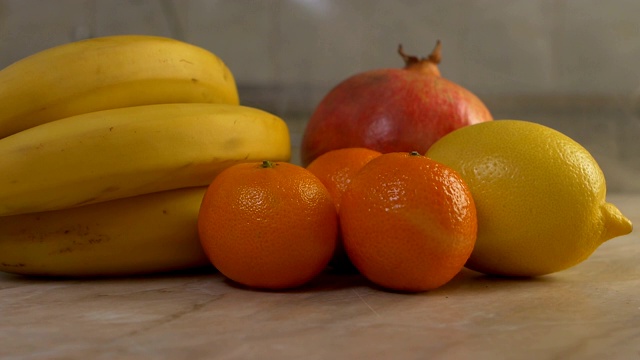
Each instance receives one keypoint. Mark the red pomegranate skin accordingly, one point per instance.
(388, 110)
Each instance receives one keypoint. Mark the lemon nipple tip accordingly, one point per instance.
(615, 224)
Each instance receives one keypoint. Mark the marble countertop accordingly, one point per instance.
(591, 311)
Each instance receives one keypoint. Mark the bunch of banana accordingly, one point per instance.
(104, 161)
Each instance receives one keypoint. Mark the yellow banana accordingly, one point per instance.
(143, 234)
(124, 152)
(107, 73)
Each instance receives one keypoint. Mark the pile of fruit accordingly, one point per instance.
(140, 159)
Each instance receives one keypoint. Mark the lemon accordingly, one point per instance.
(540, 197)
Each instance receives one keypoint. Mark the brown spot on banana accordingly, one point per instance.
(9, 265)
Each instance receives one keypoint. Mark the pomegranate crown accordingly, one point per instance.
(426, 64)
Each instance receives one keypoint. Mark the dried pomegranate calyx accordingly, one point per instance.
(426, 64)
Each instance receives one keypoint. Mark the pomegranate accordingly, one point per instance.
(388, 110)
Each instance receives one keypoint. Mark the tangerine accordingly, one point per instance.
(408, 222)
(335, 169)
(270, 225)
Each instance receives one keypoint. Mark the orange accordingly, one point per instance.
(268, 225)
(408, 222)
(335, 169)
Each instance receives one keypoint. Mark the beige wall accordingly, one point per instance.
(570, 64)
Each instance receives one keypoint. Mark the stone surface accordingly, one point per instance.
(591, 311)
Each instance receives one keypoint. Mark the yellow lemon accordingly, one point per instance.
(540, 197)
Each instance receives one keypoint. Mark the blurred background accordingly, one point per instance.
(569, 64)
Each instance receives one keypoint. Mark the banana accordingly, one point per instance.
(125, 152)
(143, 234)
(107, 73)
